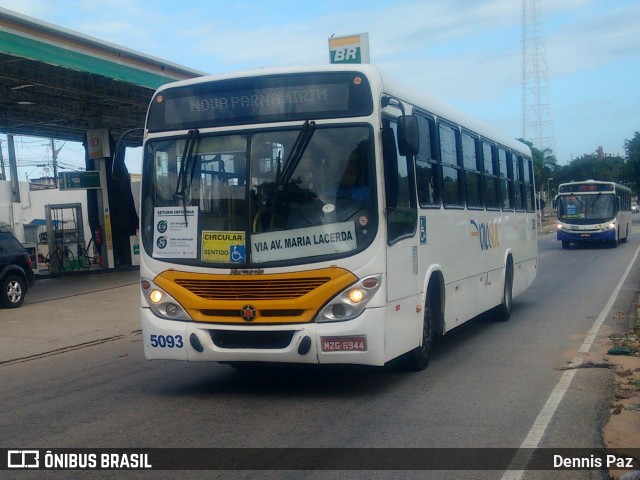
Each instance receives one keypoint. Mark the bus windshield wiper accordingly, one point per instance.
(298, 149)
(186, 170)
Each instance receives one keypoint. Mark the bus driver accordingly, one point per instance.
(350, 185)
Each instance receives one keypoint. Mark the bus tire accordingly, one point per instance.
(565, 243)
(418, 359)
(626, 237)
(503, 311)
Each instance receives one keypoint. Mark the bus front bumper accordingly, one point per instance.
(586, 236)
(358, 341)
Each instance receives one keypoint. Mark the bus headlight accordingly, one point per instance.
(161, 303)
(612, 226)
(350, 303)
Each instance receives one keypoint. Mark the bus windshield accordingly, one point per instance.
(586, 209)
(275, 196)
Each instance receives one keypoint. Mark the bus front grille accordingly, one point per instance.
(263, 313)
(254, 289)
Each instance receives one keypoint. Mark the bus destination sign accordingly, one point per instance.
(267, 101)
(260, 99)
(585, 188)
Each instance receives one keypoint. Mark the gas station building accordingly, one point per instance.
(60, 84)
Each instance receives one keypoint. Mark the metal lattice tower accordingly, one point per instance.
(537, 122)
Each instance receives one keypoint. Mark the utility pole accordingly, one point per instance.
(13, 168)
(54, 154)
(3, 175)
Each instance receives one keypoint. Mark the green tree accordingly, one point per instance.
(592, 167)
(632, 171)
(544, 165)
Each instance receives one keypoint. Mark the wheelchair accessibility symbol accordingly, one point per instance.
(236, 254)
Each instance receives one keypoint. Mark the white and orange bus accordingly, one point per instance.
(320, 215)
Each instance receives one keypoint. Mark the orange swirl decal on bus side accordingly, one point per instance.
(487, 234)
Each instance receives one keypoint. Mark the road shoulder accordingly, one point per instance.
(623, 427)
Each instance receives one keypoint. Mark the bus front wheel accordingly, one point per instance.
(626, 236)
(418, 358)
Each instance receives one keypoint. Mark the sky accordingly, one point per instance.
(466, 53)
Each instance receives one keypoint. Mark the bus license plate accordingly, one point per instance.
(344, 344)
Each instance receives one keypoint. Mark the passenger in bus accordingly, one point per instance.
(351, 185)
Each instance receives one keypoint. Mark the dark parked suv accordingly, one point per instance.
(15, 271)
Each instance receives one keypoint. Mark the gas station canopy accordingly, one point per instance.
(58, 83)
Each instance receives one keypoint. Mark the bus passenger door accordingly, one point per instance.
(403, 322)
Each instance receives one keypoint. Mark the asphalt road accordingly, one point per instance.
(485, 387)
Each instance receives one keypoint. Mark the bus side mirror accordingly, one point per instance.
(408, 137)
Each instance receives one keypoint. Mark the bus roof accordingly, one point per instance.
(380, 82)
(608, 182)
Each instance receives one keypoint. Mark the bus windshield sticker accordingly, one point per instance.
(173, 235)
(223, 247)
(303, 242)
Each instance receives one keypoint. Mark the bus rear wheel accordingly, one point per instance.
(503, 311)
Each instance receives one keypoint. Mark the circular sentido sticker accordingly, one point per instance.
(328, 207)
(363, 220)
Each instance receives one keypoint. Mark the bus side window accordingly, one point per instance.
(505, 179)
(491, 176)
(528, 185)
(427, 164)
(516, 162)
(451, 171)
(472, 171)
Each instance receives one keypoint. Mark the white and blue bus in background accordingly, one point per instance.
(593, 211)
(322, 215)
